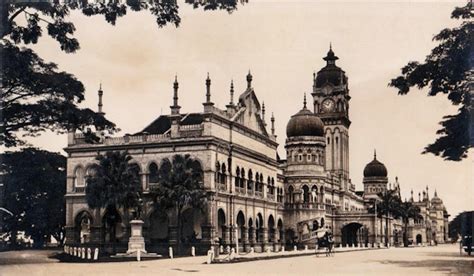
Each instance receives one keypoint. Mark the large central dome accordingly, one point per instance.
(305, 123)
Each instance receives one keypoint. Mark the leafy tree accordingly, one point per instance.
(180, 186)
(35, 185)
(446, 70)
(407, 210)
(114, 184)
(461, 225)
(36, 97)
(387, 204)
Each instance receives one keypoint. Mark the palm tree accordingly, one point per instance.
(180, 186)
(405, 211)
(113, 184)
(386, 204)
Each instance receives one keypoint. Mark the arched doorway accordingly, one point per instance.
(158, 230)
(82, 225)
(305, 194)
(241, 226)
(191, 220)
(271, 229)
(221, 227)
(111, 226)
(259, 227)
(350, 234)
(315, 225)
(419, 239)
(280, 231)
(251, 231)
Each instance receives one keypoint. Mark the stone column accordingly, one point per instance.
(70, 235)
(173, 234)
(226, 235)
(245, 239)
(144, 178)
(95, 236)
(264, 238)
(251, 236)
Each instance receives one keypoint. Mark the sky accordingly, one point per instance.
(282, 43)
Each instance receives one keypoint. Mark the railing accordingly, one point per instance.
(259, 194)
(129, 139)
(79, 189)
(240, 190)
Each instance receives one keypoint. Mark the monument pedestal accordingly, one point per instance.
(136, 241)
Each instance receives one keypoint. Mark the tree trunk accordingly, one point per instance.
(179, 230)
(405, 234)
(386, 230)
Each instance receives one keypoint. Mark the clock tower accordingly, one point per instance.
(331, 104)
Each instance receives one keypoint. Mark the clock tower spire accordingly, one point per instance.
(331, 104)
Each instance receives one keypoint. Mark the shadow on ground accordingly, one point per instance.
(442, 266)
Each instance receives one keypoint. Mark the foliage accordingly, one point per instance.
(461, 225)
(35, 185)
(387, 204)
(446, 70)
(36, 97)
(114, 182)
(180, 186)
(407, 210)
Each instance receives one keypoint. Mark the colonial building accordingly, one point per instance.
(255, 198)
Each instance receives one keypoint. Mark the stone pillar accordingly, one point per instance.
(95, 237)
(173, 234)
(264, 239)
(245, 239)
(251, 236)
(144, 178)
(226, 235)
(70, 235)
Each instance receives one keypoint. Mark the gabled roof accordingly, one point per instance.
(163, 123)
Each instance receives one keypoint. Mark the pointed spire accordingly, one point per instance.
(263, 114)
(375, 154)
(330, 57)
(231, 92)
(249, 80)
(436, 193)
(272, 119)
(304, 101)
(411, 198)
(99, 105)
(208, 88)
(419, 197)
(330, 46)
(175, 107)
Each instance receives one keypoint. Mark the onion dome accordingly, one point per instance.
(330, 73)
(305, 123)
(375, 168)
(436, 200)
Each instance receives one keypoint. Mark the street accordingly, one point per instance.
(439, 260)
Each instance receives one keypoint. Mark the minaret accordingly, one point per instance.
(263, 115)
(419, 197)
(231, 106)
(100, 92)
(249, 80)
(175, 107)
(411, 198)
(208, 105)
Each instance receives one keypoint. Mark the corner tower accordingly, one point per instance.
(331, 104)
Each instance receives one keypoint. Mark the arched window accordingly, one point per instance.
(250, 181)
(290, 194)
(237, 178)
(223, 174)
(242, 178)
(152, 173)
(305, 194)
(79, 178)
(217, 175)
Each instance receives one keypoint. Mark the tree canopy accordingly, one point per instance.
(35, 185)
(114, 182)
(447, 70)
(180, 186)
(35, 95)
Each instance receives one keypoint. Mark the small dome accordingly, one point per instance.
(375, 169)
(305, 123)
(436, 200)
(330, 73)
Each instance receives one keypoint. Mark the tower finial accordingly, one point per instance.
(249, 80)
(232, 92)
(375, 154)
(330, 45)
(99, 105)
(304, 101)
(272, 119)
(208, 88)
(263, 114)
(175, 107)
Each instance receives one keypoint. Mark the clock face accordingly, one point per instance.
(328, 105)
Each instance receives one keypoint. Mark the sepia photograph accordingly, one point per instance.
(236, 137)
